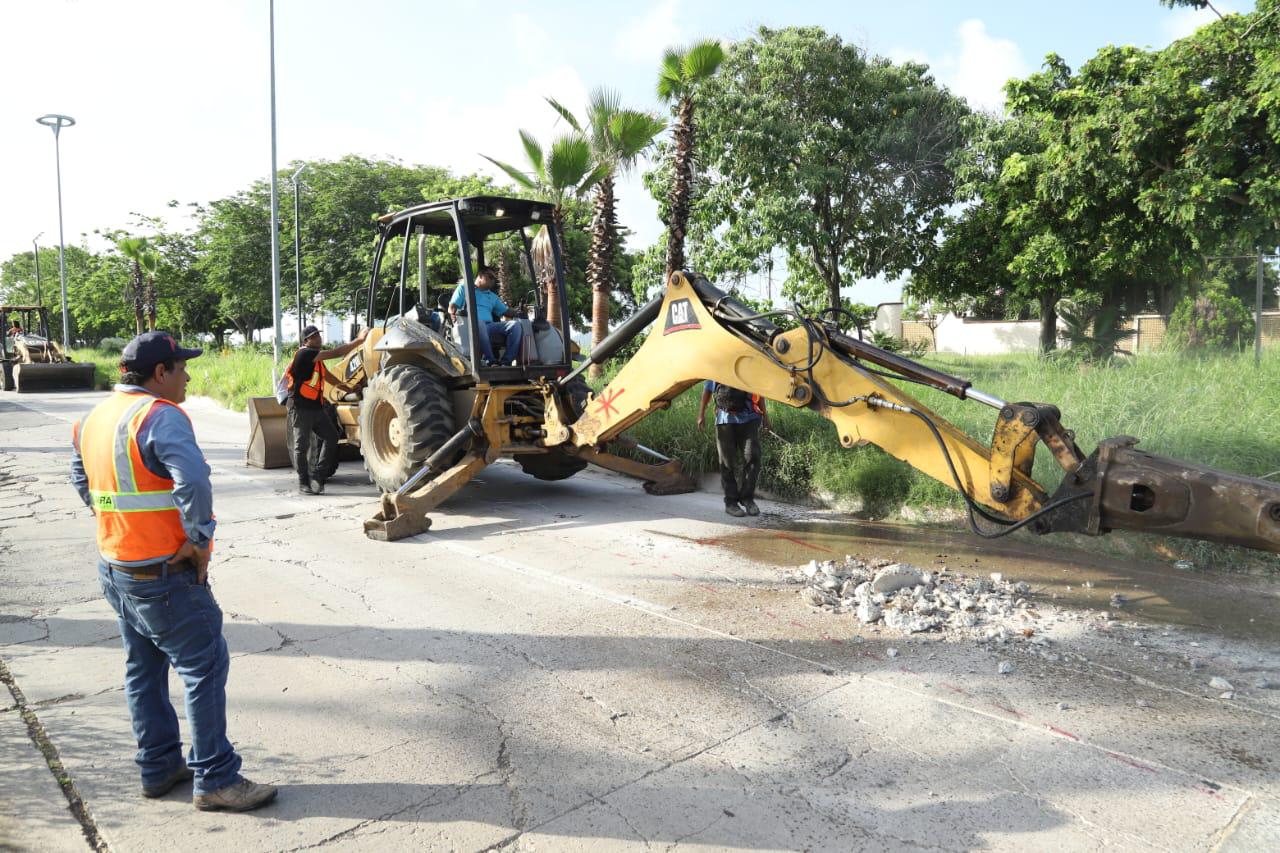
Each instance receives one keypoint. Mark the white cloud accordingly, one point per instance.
(980, 67)
(643, 38)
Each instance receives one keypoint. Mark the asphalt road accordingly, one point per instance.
(580, 666)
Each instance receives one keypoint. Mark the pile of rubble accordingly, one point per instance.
(910, 600)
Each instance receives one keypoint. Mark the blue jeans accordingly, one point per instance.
(172, 620)
(509, 333)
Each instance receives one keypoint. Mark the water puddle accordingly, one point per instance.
(1236, 606)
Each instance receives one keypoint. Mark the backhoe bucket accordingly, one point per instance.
(28, 378)
(268, 436)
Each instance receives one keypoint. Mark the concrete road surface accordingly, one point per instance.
(581, 666)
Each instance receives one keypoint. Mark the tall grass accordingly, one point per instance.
(230, 376)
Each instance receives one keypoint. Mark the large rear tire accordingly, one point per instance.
(555, 464)
(406, 416)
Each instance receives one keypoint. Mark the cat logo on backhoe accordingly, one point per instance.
(680, 317)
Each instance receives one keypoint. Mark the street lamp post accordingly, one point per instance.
(297, 249)
(35, 254)
(57, 123)
(275, 210)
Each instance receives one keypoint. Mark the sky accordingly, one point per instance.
(172, 97)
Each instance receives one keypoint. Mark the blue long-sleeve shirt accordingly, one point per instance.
(168, 448)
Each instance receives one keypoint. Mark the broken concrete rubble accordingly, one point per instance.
(910, 600)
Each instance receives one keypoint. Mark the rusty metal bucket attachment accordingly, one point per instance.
(1134, 490)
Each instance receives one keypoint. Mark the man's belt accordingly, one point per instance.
(152, 571)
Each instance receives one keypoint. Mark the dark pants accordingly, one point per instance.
(307, 422)
(739, 443)
(167, 621)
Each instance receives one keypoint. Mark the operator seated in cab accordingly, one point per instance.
(15, 330)
(497, 324)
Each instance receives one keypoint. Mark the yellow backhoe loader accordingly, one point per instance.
(428, 416)
(31, 360)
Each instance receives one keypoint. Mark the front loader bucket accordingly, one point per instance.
(28, 378)
(268, 437)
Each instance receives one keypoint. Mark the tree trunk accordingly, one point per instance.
(604, 229)
(681, 186)
(504, 273)
(1048, 322)
(137, 298)
(151, 303)
(553, 292)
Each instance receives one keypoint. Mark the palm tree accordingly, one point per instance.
(560, 173)
(144, 262)
(618, 137)
(681, 73)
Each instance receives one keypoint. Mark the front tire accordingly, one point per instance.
(405, 416)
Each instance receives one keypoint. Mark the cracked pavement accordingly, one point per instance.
(541, 672)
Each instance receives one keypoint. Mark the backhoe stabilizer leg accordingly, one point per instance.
(402, 515)
(1134, 490)
(668, 478)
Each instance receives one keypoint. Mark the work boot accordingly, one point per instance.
(750, 506)
(240, 796)
(317, 486)
(304, 488)
(181, 774)
(734, 510)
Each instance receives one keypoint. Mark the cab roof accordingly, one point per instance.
(481, 216)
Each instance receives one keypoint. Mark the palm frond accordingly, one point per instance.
(634, 131)
(515, 174)
(701, 61)
(565, 114)
(533, 151)
(671, 75)
(598, 174)
(568, 162)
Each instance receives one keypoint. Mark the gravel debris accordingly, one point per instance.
(1005, 668)
(909, 600)
(1220, 683)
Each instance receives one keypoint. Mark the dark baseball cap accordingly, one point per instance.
(150, 348)
(309, 331)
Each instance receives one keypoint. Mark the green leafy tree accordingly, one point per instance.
(683, 73)
(1210, 319)
(618, 136)
(840, 158)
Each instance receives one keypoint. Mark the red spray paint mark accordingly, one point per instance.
(1008, 710)
(1062, 732)
(798, 624)
(955, 689)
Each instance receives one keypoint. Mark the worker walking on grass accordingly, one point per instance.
(137, 466)
(739, 416)
(307, 417)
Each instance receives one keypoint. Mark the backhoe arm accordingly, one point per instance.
(700, 333)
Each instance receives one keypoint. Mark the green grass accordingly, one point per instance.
(230, 376)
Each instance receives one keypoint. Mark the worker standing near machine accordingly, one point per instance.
(305, 377)
(137, 466)
(739, 416)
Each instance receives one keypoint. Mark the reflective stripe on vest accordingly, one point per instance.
(138, 517)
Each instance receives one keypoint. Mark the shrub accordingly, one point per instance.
(112, 344)
(1210, 320)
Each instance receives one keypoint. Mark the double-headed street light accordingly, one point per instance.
(297, 249)
(57, 123)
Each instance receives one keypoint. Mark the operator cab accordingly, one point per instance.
(441, 247)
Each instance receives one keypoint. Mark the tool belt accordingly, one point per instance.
(152, 571)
